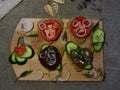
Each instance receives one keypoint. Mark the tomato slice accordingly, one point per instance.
(50, 29)
(20, 50)
(81, 27)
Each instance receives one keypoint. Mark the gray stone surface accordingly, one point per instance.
(110, 10)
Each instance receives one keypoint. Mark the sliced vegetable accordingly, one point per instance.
(98, 39)
(28, 53)
(70, 46)
(20, 50)
(20, 54)
(20, 60)
(50, 29)
(91, 74)
(95, 73)
(12, 59)
(65, 75)
(86, 23)
(30, 40)
(26, 25)
(81, 27)
(38, 74)
(43, 47)
(88, 67)
(81, 32)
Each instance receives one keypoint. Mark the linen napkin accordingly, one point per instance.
(6, 6)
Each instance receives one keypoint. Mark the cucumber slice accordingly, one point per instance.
(98, 47)
(12, 58)
(29, 53)
(20, 60)
(98, 36)
(98, 39)
(88, 67)
(70, 46)
(43, 47)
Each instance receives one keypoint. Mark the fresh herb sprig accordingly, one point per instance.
(24, 74)
(64, 37)
(87, 75)
(96, 25)
(101, 74)
(32, 35)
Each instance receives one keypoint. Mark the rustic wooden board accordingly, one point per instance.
(34, 64)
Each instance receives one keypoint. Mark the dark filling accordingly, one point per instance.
(50, 57)
(82, 58)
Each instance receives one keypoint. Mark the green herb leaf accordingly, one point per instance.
(59, 67)
(87, 75)
(96, 25)
(101, 74)
(33, 35)
(100, 71)
(25, 73)
(64, 37)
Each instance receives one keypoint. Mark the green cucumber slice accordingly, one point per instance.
(43, 46)
(98, 36)
(12, 58)
(70, 46)
(29, 53)
(20, 60)
(88, 67)
(98, 39)
(98, 47)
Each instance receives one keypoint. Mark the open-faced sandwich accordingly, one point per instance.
(80, 57)
(50, 29)
(80, 27)
(50, 57)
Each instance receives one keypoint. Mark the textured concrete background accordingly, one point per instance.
(110, 10)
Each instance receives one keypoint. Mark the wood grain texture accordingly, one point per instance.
(34, 64)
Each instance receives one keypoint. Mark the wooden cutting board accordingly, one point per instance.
(68, 67)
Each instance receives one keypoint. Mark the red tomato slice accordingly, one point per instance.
(81, 27)
(50, 29)
(20, 50)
